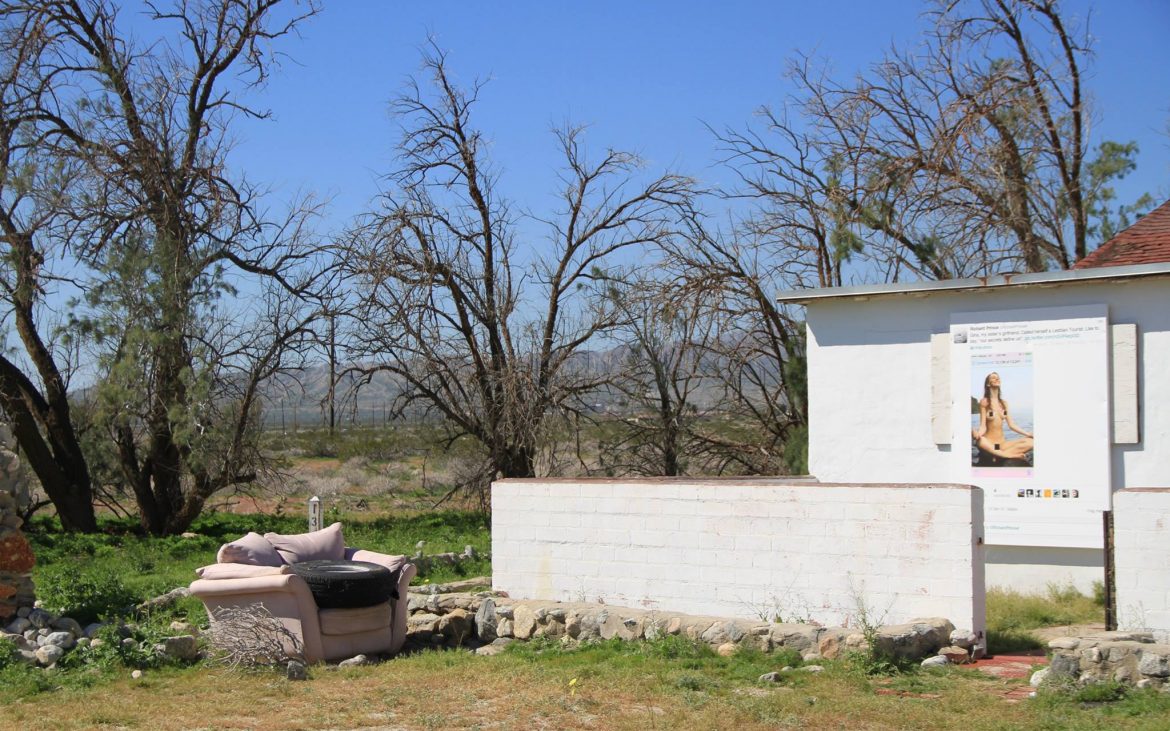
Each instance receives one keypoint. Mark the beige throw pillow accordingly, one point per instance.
(252, 550)
(324, 544)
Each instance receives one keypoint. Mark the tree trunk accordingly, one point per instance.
(53, 456)
(516, 461)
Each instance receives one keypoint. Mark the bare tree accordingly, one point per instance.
(168, 235)
(758, 356)
(665, 333)
(479, 328)
(969, 155)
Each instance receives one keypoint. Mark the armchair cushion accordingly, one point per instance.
(360, 619)
(252, 550)
(326, 544)
(239, 571)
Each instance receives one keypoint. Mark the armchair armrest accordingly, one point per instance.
(391, 562)
(278, 582)
(239, 571)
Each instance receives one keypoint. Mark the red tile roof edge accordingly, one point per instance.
(1147, 241)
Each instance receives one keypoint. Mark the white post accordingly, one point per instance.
(314, 513)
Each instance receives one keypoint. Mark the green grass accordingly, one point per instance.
(1011, 615)
(149, 566)
(670, 683)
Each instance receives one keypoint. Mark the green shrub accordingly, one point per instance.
(8, 654)
(83, 594)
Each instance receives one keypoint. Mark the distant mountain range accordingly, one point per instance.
(302, 400)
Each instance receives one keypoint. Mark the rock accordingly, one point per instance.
(83, 642)
(486, 621)
(727, 649)
(30, 635)
(18, 626)
(188, 534)
(799, 637)
(296, 670)
(1153, 665)
(615, 625)
(184, 628)
(23, 612)
(674, 626)
(831, 644)
(136, 675)
(353, 662)
(96, 642)
(505, 612)
(935, 662)
(64, 640)
(423, 622)
(917, 639)
(584, 626)
(28, 657)
(91, 629)
(573, 625)
(856, 641)
(49, 654)
(128, 642)
(489, 650)
(963, 638)
(1147, 683)
(550, 627)
(39, 618)
(523, 622)
(68, 624)
(504, 628)
(723, 632)
(955, 655)
(1064, 643)
(164, 600)
(183, 648)
(455, 626)
(1064, 666)
(814, 669)
(1039, 677)
(772, 677)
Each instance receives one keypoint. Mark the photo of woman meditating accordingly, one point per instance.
(993, 448)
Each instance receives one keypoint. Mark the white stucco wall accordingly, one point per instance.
(1141, 538)
(744, 548)
(870, 399)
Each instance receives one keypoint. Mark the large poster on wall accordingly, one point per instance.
(1030, 403)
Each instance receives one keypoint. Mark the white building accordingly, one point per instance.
(897, 374)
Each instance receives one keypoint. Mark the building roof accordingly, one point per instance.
(1145, 242)
(927, 288)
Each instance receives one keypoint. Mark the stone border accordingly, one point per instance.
(487, 621)
(1132, 658)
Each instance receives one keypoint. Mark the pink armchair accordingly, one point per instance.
(256, 570)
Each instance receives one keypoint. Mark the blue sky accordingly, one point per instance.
(645, 76)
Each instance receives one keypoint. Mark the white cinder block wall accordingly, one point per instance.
(1141, 555)
(745, 547)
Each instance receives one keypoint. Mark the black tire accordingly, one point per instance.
(348, 584)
